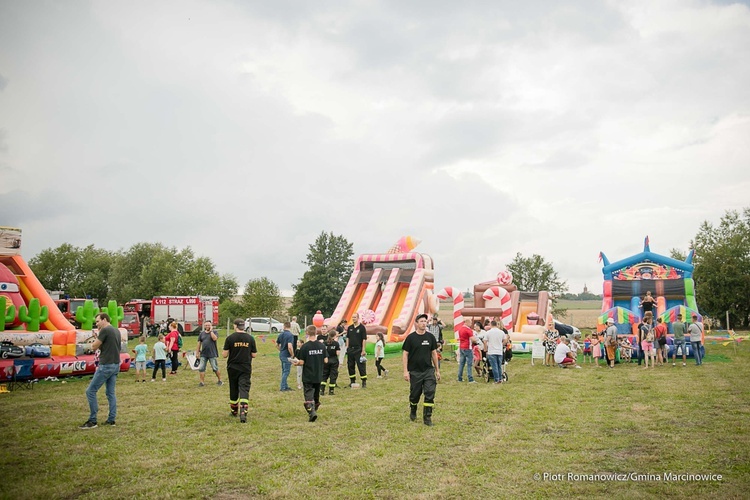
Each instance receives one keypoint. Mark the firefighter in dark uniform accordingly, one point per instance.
(356, 336)
(421, 369)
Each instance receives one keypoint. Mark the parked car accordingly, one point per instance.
(8, 350)
(37, 350)
(264, 325)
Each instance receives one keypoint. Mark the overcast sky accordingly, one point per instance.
(485, 128)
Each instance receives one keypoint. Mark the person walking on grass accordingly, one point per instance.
(421, 369)
(356, 337)
(173, 346)
(312, 357)
(380, 355)
(285, 344)
(208, 353)
(646, 334)
(160, 358)
(678, 330)
(331, 369)
(140, 359)
(239, 349)
(465, 335)
(108, 342)
(293, 328)
(495, 348)
(610, 341)
(660, 332)
(695, 330)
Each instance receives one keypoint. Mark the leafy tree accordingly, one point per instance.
(151, 269)
(535, 274)
(79, 272)
(330, 261)
(677, 254)
(229, 310)
(261, 298)
(722, 267)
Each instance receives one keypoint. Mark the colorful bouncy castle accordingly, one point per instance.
(523, 314)
(37, 340)
(627, 281)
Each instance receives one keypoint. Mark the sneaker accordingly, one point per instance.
(674, 364)
(683, 364)
(379, 376)
(163, 380)
(201, 384)
(577, 366)
(386, 374)
(153, 380)
(88, 424)
(219, 383)
(110, 423)
(472, 381)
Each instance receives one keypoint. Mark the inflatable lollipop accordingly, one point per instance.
(504, 278)
(366, 316)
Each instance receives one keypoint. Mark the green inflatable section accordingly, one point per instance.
(390, 347)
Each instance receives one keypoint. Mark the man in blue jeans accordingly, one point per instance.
(109, 343)
(285, 345)
(695, 331)
(465, 336)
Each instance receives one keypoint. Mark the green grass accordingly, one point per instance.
(176, 440)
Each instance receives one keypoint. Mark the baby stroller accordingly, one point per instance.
(487, 374)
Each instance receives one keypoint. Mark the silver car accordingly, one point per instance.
(263, 325)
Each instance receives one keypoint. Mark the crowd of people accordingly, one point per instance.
(485, 346)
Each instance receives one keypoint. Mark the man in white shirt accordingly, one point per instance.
(495, 339)
(695, 330)
(564, 356)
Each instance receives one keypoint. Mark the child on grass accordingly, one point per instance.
(310, 358)
(160, 358)
(477, 352)
(587, 348)
(626, 351)
(300, 342)
(140, 359)
(380, 354)
(596, 348)
(331, 369)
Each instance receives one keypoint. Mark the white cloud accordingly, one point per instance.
(486, 129)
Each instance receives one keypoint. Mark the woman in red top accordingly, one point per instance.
(173, 345)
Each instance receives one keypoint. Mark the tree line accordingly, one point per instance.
(722, 274)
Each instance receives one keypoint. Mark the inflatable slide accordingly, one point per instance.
(34, 325)
(388, 291)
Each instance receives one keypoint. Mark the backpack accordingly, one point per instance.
(647, 334)
(179, 341)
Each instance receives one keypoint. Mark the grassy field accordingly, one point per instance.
(177, 440)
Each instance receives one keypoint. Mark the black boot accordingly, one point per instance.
(364, 383)
(233, 407)
(330, 391)
(243, 413)
(323, 389)
(413, 412)
(427, 415)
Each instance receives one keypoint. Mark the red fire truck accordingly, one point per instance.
(189, 311)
